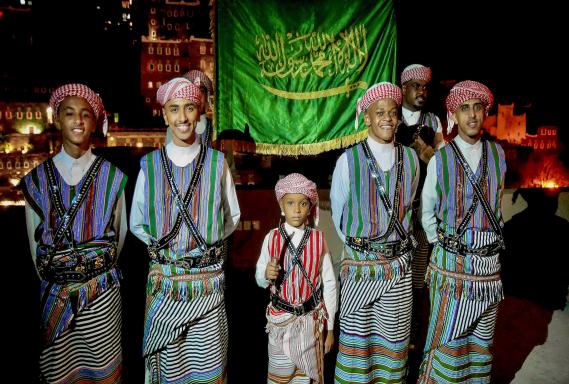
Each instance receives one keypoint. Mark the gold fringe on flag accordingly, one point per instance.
(310, 149)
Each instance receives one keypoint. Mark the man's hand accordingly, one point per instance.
(424, 151)
(272, 271)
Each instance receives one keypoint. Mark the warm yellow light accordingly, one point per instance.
(549, 184)
(139, 144)
(49, 112)
(14, 182)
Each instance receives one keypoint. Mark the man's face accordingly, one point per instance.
(77, 122)
(181, 116)
(469, 116)
(415, 94)
(381, 120)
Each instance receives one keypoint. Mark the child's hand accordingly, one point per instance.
(329, 343)
(272, 271)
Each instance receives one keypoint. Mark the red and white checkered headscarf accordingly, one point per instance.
(464, 91)
(297, 183)
(83, 91)
(384, 90)
(416, 71)
(178, 88)
(203, 80)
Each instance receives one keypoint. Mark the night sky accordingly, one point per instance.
(515, 49)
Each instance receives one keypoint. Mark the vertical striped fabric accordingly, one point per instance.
(80, 321)
(93, 217)
(464, 289)
(161, 211)
(455, 192)
(295, 289)
(295, 342)
(296, 347)
(375, 293)
(364, 214)
(431, 121)
(185, 331)
(206, 210)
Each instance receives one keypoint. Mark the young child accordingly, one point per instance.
(295, 262)
(76, 220)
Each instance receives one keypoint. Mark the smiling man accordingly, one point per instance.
(76, 219)
(461, 215)
(373, 187)
(184, 206)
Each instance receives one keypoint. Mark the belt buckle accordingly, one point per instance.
(152, 252)
(187, 262)
(73, 276)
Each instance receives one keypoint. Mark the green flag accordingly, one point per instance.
(293, 70)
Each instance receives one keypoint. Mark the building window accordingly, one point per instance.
(168, 51)
(176, 51)
(159, 50)
(153, 22)
(147, 99)
(8, 164)
(175, 13)
(159, 67)
(150, 67)
(202, 64)
(35, 163)
(169, 13)
(150, 85)
(1, 165)
(150, 50)
(168, 68)
(29, 115)
(19, 115)
(188, 26)
(177, 27)
(8, 115)
(169, 26)
(211, 50)
(153, 35)
(158, 84)
(182, 13)
(38, 115)
(202, 49)
(176, 68)
(153, 11)
(18, 165)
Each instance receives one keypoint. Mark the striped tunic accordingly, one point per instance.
(465, 289)
(375, 310)
(80, 322)
(295, 342)
(185, 333)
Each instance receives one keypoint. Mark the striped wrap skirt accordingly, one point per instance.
(375, 320)
(465, 291)
(185, 341)
(89, 350)
(296, 348)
